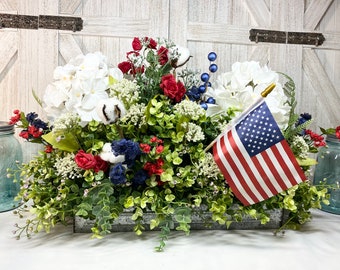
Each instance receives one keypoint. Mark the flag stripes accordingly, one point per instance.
(256, 173)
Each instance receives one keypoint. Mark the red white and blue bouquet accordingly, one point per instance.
(135, 137)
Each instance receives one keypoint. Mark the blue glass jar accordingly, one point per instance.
(328, 171)
(10, 158)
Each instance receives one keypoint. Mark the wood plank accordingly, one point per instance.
(321, 82)
(8, 49)
(159, 18)
(225, 33)
(314, 13)
(8, 5)
(260, 54)
(69, 6)
(259, 11)
(332, 41)
(68, 47)
(181, 13)
(114, 26)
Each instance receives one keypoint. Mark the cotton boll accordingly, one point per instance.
(183, 55)
(110, 110)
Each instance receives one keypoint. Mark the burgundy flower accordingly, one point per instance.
(100, 165)
(162, 55)
(125, 67)
(136, 44)
(152, 44)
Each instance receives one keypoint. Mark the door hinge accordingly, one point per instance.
(42, 21)
(307, 38)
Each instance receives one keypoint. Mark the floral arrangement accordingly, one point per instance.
(135, 137)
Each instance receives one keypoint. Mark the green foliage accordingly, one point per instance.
(184, 180)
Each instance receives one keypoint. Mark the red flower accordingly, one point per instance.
(146, 148)
(125, 66)
(152, 44)
(337, 132)
(159, 149)
(48, 148)
(316, 138)
(84, 160)
(15, 118)
(24, 134)
(154, 139)
(136, 44)
(172, 89)
(154, 168)
(135, 70)
(100, 165)
(34, 131)
(162, 55)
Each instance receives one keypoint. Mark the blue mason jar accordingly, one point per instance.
(10, 158)
(328, 171)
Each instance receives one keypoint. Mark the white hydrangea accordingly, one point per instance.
(243, 85)
(78, 86)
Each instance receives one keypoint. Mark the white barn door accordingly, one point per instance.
(223, 26)
(28, 57)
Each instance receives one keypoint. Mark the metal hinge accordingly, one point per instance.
(261, 35)
(42, 21)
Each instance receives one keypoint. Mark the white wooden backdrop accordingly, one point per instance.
(28, 57)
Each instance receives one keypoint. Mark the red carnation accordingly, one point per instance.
(172, 89)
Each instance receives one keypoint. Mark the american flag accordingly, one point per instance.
(254, 157)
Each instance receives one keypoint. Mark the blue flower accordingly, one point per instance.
(30, 117)
(117, 174)
(304, 117)
(194, 93)
(39, 124)
(128, 148)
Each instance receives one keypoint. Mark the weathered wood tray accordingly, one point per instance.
(199, 222)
